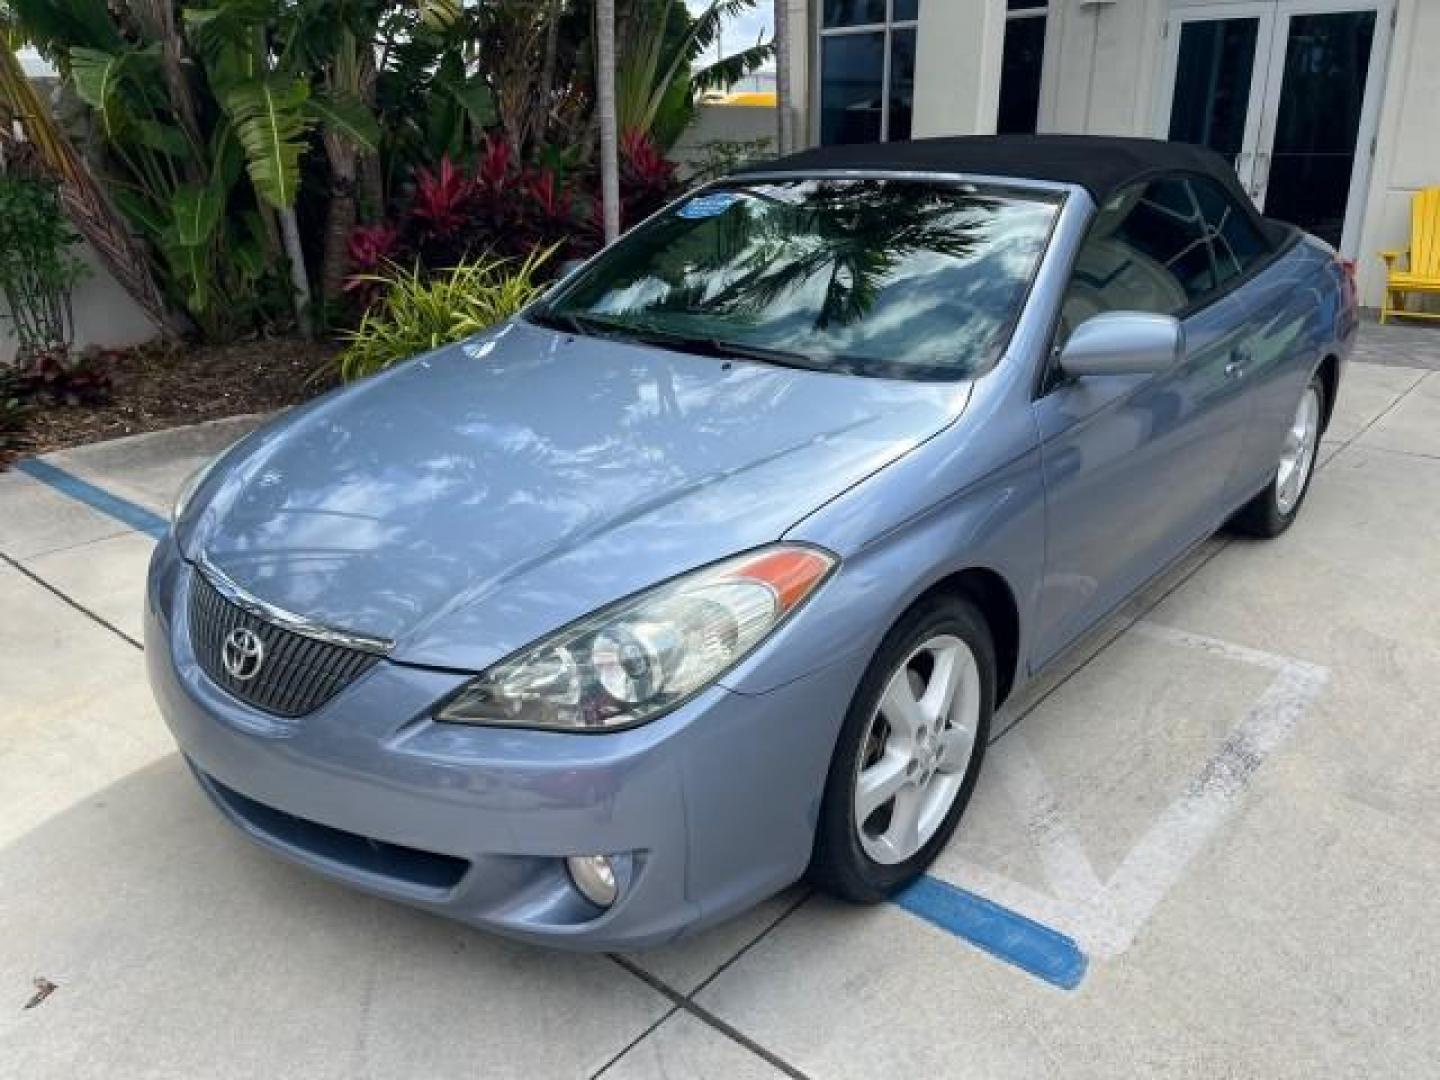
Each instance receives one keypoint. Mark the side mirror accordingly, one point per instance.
(1123, 343)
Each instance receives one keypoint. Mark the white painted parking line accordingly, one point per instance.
(1104, 917)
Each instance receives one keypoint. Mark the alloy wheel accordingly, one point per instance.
(1297, 456)
(917, 748)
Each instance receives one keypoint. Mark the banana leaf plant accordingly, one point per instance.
(260, 57)
(205, 118)
(162, 171)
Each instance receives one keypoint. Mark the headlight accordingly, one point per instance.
(637, 659)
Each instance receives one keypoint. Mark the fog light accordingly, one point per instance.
(594, 876)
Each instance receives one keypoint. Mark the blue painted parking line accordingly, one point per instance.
(97, 498)
(1045, 953)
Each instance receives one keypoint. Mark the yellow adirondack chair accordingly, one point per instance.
(1422, 271)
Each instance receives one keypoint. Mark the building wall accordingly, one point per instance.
(723, 124)
(1101, 66)
(1407, 151)
(1103, 73)
(801, 49)
(958, 50)
(104, 313)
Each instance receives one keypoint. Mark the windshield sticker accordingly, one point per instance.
(708, 206)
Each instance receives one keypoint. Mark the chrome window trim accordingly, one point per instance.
(288, 620)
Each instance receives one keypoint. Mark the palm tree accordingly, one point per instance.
(659, 44)
(605, 110)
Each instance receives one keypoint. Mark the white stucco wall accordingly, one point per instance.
(957, 66)
(800, 48)
(1101, 66)
(1407, 151)
(104, 313)
(724, 123)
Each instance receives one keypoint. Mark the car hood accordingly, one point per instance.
(480, 495)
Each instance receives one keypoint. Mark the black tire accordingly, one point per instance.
(1261, 516)
(840, 865)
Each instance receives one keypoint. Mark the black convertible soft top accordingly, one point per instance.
(1100, 164)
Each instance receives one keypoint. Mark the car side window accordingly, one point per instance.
(1147, 250)
(1237, 243)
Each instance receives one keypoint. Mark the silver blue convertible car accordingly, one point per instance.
(710, 568)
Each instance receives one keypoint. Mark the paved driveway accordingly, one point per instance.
(1208, 847)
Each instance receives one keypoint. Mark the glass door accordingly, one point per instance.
(1287, 91)
(1310, 155)
(1215, 98)
(1217, 56)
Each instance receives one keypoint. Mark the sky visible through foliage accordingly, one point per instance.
(743, 30)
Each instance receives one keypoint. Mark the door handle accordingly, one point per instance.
(1239, 361)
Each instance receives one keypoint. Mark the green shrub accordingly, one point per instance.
(38, 270)
(419, 312)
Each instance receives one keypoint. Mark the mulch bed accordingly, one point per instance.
(163, 385)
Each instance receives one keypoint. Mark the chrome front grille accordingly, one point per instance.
(299, 671)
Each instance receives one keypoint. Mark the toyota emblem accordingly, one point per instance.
(242, 654)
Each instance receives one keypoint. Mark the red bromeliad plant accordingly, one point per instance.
(647, 178)
(521, 209)
(492, 170)
(495, 206)
(507, 208)
(442, 198)
(554, 213)
(371, 248)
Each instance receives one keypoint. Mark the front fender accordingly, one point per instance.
(996, 524)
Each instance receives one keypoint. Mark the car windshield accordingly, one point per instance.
(888, 277)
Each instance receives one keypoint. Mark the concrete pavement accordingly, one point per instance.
(1227, 800)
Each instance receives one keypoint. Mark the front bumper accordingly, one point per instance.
(715, 803)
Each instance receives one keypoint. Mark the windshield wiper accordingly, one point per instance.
(767, 355)
(727, 350)
(591, 325)
(581, 325)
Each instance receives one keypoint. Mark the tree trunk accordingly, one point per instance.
(543, 103)
(370, 183)
(371, 189)
(299, 281)
(605, 110)
(340, 218)
(784, 118)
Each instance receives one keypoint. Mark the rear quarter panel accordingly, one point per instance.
(1300, 309)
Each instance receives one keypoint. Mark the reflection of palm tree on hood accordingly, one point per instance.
(854, 232)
